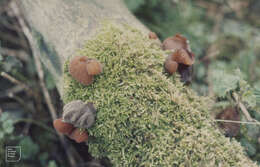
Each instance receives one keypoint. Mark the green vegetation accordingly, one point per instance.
(145, 118)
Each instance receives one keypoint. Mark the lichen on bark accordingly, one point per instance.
(145, 118)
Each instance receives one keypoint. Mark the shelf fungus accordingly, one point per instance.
(83, 69)
(180, 58)
(79, 114)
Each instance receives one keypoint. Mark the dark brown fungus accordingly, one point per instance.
(186, 73)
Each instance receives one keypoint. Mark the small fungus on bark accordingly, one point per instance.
(176, 42)
(62, 127)
(152, 35)
(181, 55)
(76, 117)
(79, 135)
(170, 66)
(83, 69)
(94, 67)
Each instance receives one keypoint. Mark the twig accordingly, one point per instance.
(13, 80)
(14, 53)
(238, 122)
(42, 125)
(242, 107)
(12, 39)
(13, 90)
(46, 94)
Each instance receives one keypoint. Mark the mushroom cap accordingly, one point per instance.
(93, 67)
(183, 56)
(78, 70)
(62, 127)
(176, 42)
(78, 135)
(79, 114)
(152, 35)
(170, 66)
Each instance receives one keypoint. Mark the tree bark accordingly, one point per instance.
(61, 27)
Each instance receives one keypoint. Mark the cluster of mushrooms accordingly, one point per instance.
(77, 115)
(180, 58)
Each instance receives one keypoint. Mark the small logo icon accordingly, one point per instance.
(12, 153)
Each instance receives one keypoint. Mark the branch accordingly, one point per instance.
(238, 122)
(243, 108)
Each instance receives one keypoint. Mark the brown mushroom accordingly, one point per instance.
(79, 135)
(93, 67)
(176, 42)
(152, 35)
(62, 127)
(170, 66)
(83, 69)
(78, 70)
(183, 56)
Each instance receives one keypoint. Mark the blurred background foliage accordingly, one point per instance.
(224, 35)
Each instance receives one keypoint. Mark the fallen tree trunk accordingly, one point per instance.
(60, 28)
(145, 119)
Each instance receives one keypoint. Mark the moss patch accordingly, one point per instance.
(145, 118)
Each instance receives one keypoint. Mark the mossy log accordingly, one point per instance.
(144, 118)
(61, 27)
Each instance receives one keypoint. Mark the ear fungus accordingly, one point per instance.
(63, 127)
(79, 135)
(93, 67)
(152, 35)
(170, 66)
(176, 42)
(83, 69)
(181, 58)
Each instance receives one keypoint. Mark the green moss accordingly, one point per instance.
(145, 118)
